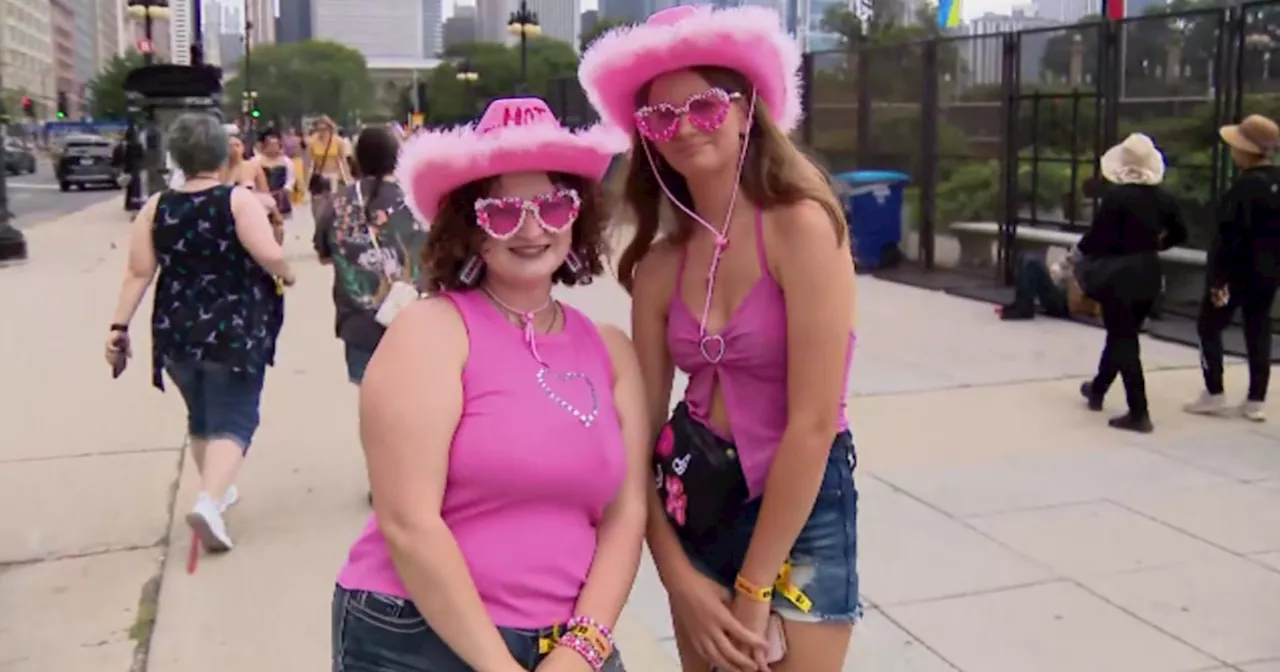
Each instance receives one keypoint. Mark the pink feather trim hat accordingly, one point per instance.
(515, 135)
(748, 39)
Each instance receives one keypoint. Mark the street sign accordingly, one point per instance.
(144, 46)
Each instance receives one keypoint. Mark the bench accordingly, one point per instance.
(1183, 268)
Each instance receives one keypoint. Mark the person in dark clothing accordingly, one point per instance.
(1244, 267)
(1135, 220)
(1039, 283)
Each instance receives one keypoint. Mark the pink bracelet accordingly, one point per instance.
(591, 623)
(584, 649)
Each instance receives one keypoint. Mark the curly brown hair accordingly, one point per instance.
(455, 236)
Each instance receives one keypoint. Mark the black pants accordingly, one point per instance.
(1254, 299)
(1122, 354)
(1032, 284)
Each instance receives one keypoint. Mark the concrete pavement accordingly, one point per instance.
(1003, 527)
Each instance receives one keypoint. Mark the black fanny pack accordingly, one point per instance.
(699, 478)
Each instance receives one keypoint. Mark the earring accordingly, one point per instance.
(470, 271)
(577, 269)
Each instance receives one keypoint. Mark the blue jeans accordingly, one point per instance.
(824, 557)
(373, 632)
(357, 362)
(221, 403)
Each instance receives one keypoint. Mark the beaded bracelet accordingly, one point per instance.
(593, 634)
(589, 622)
(583, 648)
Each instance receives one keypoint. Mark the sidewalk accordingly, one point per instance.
(1003, 527)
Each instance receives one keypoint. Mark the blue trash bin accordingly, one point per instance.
(872, 202)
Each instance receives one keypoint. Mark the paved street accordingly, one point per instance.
(34, 199)
(1003, 527)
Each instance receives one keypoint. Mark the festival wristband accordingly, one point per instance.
(594, 633)
(583, 648)
(751, 591)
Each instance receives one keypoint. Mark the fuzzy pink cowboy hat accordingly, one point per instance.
(515, 135)
(748, 39)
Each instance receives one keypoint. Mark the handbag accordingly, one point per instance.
(1097, 275)
(318, 183)
(400, 294)
(699, 477)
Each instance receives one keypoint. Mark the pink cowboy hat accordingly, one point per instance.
(747, 39)
(515, 135)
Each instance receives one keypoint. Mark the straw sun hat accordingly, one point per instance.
(1134, 161)
(1255, 135)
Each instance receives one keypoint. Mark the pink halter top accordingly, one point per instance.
(749, 356)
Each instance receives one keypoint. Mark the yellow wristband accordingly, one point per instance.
(752, 591)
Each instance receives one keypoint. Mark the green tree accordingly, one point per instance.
(106, 89)
(303, 78)
(498, 74)
(600, 27)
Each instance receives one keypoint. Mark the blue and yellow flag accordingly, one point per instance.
(948, 13)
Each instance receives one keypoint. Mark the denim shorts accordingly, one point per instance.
(373, 632)
(221, 403)
(824, 558)
(357, 362)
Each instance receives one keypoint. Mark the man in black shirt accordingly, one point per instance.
(1244, 267)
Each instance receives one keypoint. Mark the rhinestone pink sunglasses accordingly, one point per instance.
(555, 212)
(706, 111)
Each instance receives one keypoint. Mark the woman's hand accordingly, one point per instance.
(1220, 296)
(717, 633)
(562, 659)
(117, 342)
(754, 616)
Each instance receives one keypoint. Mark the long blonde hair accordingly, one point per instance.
(775, 173)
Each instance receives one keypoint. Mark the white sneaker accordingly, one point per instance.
(1254, 410)
(1208, 404)
(207, 524)
(230, 498)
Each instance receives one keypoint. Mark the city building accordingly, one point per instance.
(26, 50)
(262, 15)
(983, 57)
(108, 41)
(394, 31)
(1068, 11)
(460, 28)
(231, 37)
(293, 24)
(491, 19)
(558, 19)
(180, 33)
(62, 24)
(84, 20)
(432, 27)
(588, 21)
(633, 11)
(212, 33)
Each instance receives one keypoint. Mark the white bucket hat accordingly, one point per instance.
(1134, 161)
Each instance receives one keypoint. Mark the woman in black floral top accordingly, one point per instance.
(217, 311)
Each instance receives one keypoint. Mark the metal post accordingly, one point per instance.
(197, 33)
(248, 76)
(13, 245)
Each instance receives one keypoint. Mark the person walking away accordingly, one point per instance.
(505, 433)
(753, 507)
(327, 165)
(1244, 267)
(1135, 220)
(216, 314)
(277, 168)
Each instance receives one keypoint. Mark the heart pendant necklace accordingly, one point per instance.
(545, 377)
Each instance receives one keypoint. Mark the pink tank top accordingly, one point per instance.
(752, 372)
(528, 480)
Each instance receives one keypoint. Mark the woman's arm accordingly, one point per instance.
(620, 534)
(410, 402)
(253, 228)
(141, 267)
(815, 272)
(260, 183)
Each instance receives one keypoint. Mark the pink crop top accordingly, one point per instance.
(528, 480)
(752, 370)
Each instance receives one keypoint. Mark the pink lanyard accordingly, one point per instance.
(712, 346)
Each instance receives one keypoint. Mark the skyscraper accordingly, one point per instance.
(179, 33)
(393, 31)
(84, 28)
(262, 14)
(633, 11)
(491, 19)
(460, 28)
(558, 18)
(107, 41)
(432, 27)
(294, 22)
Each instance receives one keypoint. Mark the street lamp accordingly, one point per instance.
(468, 76)
(250, 104)
(147, 12)
(524, 23)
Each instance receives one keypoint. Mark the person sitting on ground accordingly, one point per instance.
(1052, 286)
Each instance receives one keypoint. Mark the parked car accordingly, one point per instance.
(18, 158)
(84, 161)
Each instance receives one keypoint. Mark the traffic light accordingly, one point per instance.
(62, 105)
(256, 113)
(28, 106)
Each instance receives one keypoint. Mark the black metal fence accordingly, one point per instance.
(1009, 127)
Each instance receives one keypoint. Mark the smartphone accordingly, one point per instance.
(776, 638)
(121, 358)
